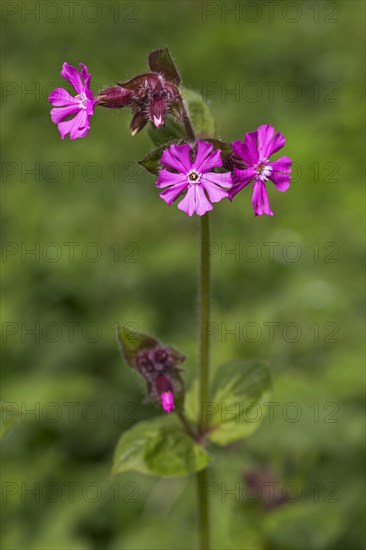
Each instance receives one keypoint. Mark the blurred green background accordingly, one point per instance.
(146, 268)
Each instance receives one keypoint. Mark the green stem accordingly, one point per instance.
(204, 320)
(204, 375)
(204, 531)
(186, 425)
(203, 512)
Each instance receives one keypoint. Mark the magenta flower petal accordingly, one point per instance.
(241, 180)
(182, 152)
(268, 142)
(247, 150)
(170, 178)
(77, 127)
(61, 98)
(260, 200)
(71, 74)
(85, 75)
(171, 161)
(188, 204)
(60, 113)
(281, 181)
(195, 201)
(281, 170)
(214, 160)
(203, 150)
(169, 195)
(215, 193)
(223, 179)
(203, 205)
(81, 125)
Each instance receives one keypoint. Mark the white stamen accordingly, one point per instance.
(264, 171)
(82, 100)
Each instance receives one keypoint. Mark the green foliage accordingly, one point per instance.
(171, 131)
(160, 61)
(238, 392)
(235, 409)
(201, 116)
(132, 342)
(159, 447)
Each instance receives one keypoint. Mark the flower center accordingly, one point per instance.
(263, 170)
(193, 176)
(82, 100)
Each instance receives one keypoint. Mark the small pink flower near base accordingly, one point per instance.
(252, 163)
(167, 401)
(203, 186)
(82, 105)
(165, 392)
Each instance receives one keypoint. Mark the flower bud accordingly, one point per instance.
(137, 123)
(158, 366)
(157, 111)
(152, 98)
(165, 391)
(115, 97)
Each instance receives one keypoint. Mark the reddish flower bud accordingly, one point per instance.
(157, 111)
(115, 97)
(137, 123)
(152, 97)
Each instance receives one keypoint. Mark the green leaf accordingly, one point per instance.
(239, 391)
(170, 131)
(160, 61)
(202, 118)
(132, 342)
(151, 161)
(226, 149)
(159, 447)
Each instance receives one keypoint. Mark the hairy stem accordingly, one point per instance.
(188, 126)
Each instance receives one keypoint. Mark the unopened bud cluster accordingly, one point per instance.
(158, 368)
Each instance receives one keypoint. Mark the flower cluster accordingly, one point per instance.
(194, 172)
(205, 185)
(158, 367)
(149, 96)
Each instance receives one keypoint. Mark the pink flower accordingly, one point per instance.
(82, 105)
(252, 159)
(165, 392)
(167, 401)
(203, 186)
